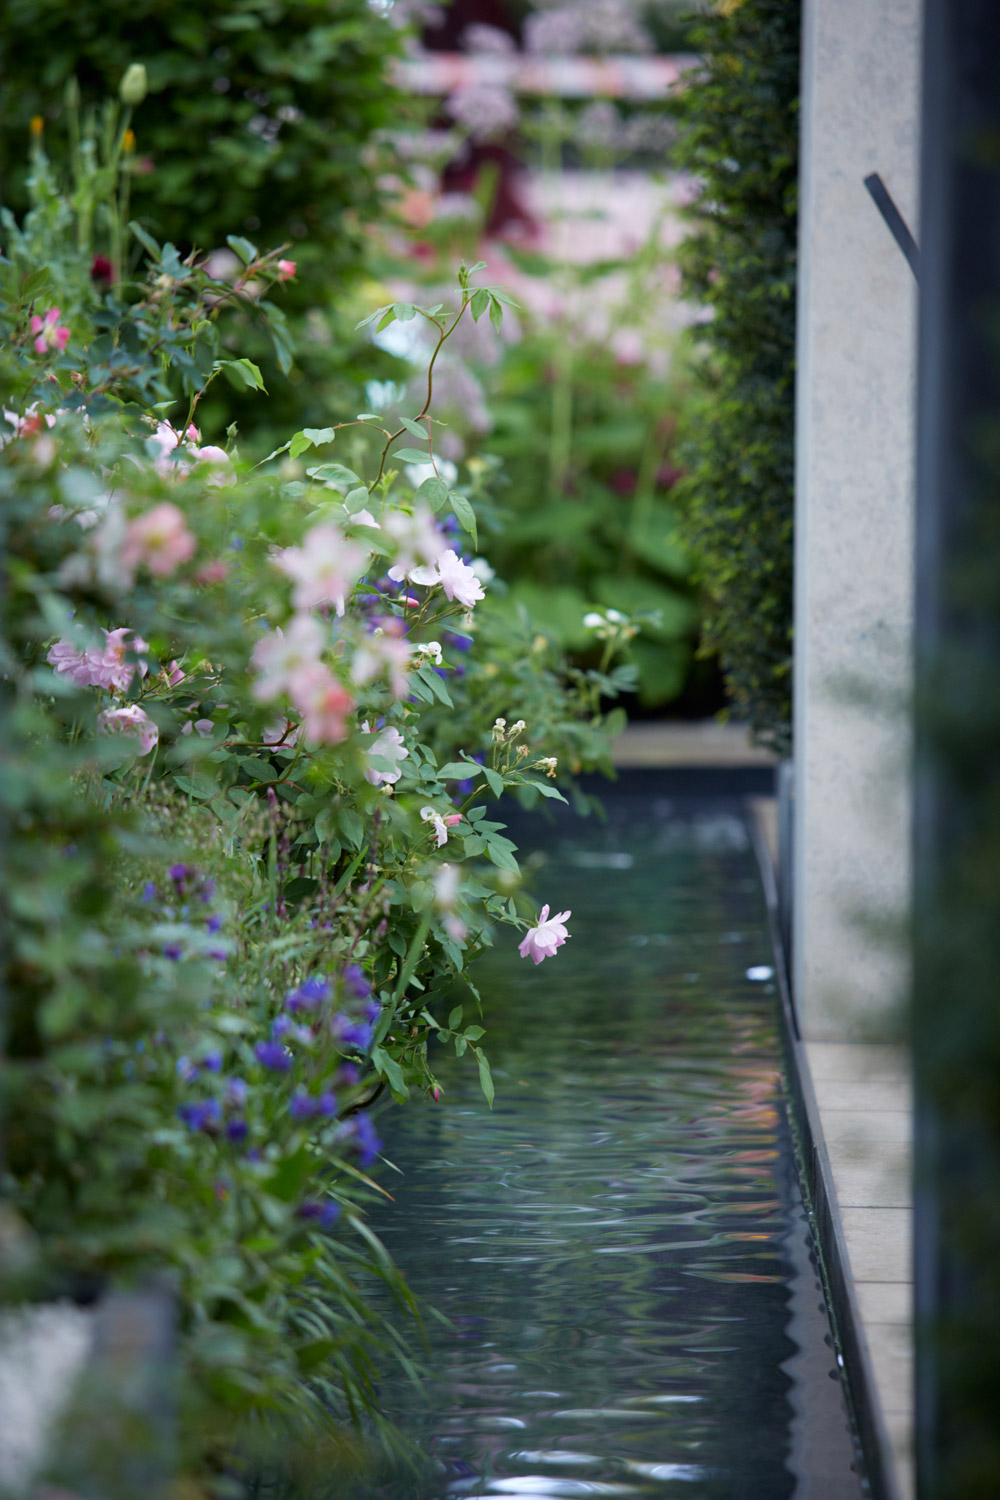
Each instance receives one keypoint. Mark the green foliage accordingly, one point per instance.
(584, 518)
(262, 118)
(235, 914)
(256, 118)
(739, 122)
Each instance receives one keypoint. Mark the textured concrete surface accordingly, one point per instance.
(865, 1107)
(854, 517)
(703, 742)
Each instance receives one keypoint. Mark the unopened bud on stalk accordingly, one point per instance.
(517, 729)
(133, 87)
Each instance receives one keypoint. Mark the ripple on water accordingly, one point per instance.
(608, 1242)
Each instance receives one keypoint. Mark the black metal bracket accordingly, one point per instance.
(897, 225)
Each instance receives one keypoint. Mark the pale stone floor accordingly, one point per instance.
(866, 1115)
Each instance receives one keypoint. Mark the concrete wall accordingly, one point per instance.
(854, 517)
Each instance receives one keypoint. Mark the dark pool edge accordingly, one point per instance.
(821, 1197)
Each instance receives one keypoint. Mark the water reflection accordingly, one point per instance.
(618, 1243)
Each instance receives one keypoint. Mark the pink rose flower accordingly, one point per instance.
(286, 270)
(51, 334)
(131, 721)
(279, 657)
(324, 569)
(544, 940)
(323, 702)
(106, 668)
(159, 539)
(386, 652)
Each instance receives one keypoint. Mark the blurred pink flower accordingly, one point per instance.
(386, 652)
(323, 702)
(324, 568)
(282, 654)
(51, 333)
(544, 940)
(286, 270)
(159, 539)
(132, 721)
(416, 538)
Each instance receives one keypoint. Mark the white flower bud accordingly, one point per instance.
(133, 87)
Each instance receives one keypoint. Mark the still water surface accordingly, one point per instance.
(620, 1245)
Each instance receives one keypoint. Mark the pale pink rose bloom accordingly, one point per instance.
(544, 940)
(323, 702)
(69, 662)
(286, 270)
(452, 818)
(279, 656)
(131, 721)
(159, 539)
(173, 674)
(106, 668)
(446, 886)
(210, 455)
(388, 745)
(417, 540)
(324, 569)
(203, 726)
(385, 652)
(282, 732)
(459, 580)
(213, 572)
(438, 825)
(51, 334)
(109, 667)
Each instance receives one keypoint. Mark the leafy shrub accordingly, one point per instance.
(261, 119)
(248, 868)
(738, 115)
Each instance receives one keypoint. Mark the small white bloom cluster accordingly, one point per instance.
(610, 625)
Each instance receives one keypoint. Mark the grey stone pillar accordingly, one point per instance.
(854, 517)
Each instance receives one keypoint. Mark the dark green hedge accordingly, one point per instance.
(739, 138)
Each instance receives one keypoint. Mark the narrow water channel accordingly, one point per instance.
(619, 1246)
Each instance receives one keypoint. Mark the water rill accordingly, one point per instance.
(620, 1247)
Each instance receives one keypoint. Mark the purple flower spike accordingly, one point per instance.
(355, 980)
(205, 1115)
(274, 1056)
(186, 1070)
(173, 951)
(214, 922)
(212, 1061)
(236, 1092)
(280, 1025)
(236, 1129)
(178, 874)
(349, 1074)
(329, 1215)
(219, 954)
(366, 1139)
(326, 1104)
(301, 1106)
(351, 1033)
(149, 892)
(207, 890)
